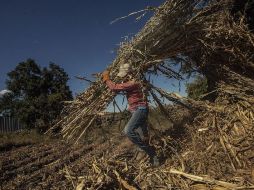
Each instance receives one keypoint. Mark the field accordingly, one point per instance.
(51, 163)
(192, 157)
(45, 165)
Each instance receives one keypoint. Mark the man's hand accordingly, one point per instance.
(105, 76)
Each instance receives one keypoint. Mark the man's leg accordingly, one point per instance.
(144, 130)
(137, 120)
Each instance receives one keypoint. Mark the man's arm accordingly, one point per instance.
(121, 87)
(118, 87)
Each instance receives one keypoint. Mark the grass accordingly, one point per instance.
(18, 139)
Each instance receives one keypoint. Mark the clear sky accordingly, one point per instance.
(75, 34)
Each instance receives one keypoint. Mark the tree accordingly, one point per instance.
(6, 103)
(38, 93)
(197, 88)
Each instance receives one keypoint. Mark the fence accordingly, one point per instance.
(9, 124)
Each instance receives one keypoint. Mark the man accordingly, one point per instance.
(138, 106)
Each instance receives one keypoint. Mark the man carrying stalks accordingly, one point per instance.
(138, 106)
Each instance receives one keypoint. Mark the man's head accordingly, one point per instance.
(124, 70)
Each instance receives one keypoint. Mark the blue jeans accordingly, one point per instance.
(137, 127)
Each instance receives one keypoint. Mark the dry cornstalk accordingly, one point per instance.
(123, 182)
(204, 179)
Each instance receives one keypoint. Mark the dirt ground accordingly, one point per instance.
(56, 164)
(109, 161)
(44, 165)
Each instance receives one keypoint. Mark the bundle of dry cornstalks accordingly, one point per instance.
(199, 35)
(190, 33)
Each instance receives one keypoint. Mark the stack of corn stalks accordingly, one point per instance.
(215, 154)
(199, 34)
(178, 28)
(206, 163)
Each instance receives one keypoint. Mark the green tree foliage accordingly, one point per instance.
(6, 104)
(38, 93)
(196, 88)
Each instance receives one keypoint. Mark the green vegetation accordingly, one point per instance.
(197, 88)
(37, 94)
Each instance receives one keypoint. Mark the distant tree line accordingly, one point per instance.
(197, 88)
(37, 94)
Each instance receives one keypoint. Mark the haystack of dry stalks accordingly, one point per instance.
(218, 152)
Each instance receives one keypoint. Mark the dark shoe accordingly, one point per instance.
(155, 161)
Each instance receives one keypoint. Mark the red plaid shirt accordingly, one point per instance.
(133, 92)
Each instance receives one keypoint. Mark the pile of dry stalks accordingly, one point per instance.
(216, 153)
(198, 34)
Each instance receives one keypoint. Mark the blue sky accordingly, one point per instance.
(77, 35)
